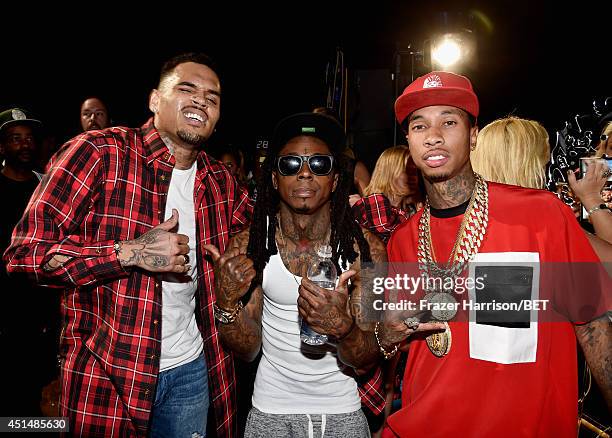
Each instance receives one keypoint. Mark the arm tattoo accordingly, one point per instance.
(595, 339)
(243, 336)
(359, 349)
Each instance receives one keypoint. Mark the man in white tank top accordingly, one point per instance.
(262, 291)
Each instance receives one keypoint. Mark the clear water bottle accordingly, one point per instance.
(322, 273)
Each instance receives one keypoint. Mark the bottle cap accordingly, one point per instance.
(324, 251)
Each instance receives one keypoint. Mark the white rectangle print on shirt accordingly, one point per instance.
(514, 275)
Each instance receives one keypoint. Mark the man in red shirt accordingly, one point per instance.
(118, 222)
(489, 373)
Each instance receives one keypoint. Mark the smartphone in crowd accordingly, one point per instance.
(606, 193)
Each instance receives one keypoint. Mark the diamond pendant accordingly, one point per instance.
(442, 305)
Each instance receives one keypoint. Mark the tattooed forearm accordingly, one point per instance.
(363, 297)
(359, 350)
(378, 250)
(243, 336)
(595, 339)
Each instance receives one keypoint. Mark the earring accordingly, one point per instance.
(473, 146)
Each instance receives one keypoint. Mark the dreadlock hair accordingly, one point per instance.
(344, 229)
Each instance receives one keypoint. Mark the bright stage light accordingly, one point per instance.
(453, 51)
(447, 53)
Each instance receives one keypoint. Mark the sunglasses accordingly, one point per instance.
(320, 165)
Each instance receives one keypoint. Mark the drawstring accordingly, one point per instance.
(311, 427)
(323, 425)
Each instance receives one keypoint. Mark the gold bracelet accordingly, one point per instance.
(386, 354)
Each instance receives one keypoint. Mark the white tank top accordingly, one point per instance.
(290, 380)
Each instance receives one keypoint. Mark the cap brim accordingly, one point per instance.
(32, 122)
(457, 97)
(316, 125)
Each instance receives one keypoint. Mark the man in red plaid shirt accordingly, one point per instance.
(118, 223)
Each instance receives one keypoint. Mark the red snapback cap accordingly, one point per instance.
(437, 88)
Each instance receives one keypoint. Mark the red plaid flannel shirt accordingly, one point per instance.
(375, 213)
(110, 185)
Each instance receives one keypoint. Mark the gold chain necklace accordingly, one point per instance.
(467, 243)
(469, 236)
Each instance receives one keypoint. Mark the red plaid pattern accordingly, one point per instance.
(110, 185)
(372, 391)
(376, 213)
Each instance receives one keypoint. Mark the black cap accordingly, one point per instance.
(17, 116)
(316, 125)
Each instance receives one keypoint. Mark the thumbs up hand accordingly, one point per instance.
(158, 250)
(233, 275)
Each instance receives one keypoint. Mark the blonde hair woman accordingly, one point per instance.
(395, 178)
(512, 151)
(515, 151)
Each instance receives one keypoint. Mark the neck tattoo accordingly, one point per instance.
(303, 246)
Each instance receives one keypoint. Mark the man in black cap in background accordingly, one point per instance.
(29, 315)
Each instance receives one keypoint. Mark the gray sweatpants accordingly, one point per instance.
(262, 425)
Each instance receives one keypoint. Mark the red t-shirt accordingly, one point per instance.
(500, 381)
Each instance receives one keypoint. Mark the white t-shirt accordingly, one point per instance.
(290, 380)
(181, 338)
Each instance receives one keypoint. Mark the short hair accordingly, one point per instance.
(389, 167)
(601, 147)
(197, 57)
(514, 151)
(93, 96)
